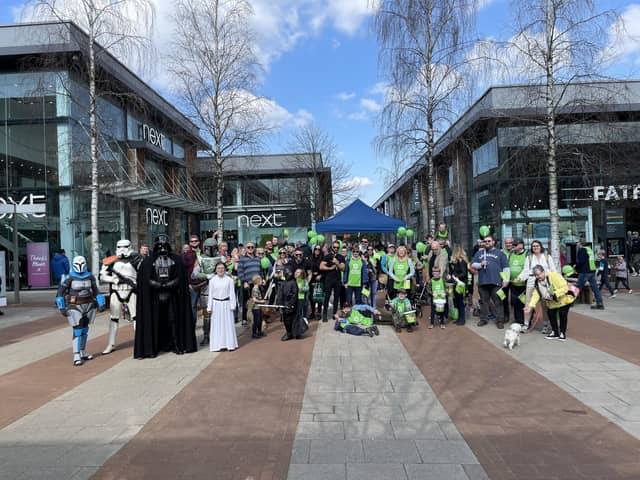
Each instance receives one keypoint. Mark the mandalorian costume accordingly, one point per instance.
(77, 299)
(204, 271)
(121, 274)
(164, 318)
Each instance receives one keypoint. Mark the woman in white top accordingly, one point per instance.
(222, 303)
(537, 256)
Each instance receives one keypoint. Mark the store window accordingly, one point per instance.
(485, 158)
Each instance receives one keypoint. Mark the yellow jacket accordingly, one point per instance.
(559, 290)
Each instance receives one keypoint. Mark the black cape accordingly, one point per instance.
(152, 334)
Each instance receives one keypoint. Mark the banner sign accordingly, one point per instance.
(38, 264)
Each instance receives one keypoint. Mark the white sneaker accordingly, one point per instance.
(630, 291)
(613, 296)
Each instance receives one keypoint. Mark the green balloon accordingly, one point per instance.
(320, 239)
(340, 243)
(313, 242)
(285, 232)
(568, 270)
(402, 231)
(484, 231)
(265, 263)
(421, 247)
(311, 234)
(409, 232)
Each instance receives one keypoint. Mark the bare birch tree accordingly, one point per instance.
(422, 47)
(120, 27)
(318, 151)
(216, 72)
(558, 43)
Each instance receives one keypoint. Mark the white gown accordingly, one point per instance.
(222, 303)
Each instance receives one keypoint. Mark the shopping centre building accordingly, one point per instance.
(267, 195)
(491, 167)
(146, 147)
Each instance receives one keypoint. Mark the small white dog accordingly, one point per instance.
(512, 336)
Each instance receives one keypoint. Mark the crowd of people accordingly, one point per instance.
(166, 294)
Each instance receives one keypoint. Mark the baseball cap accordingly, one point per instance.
(391, 245)
(401, 290)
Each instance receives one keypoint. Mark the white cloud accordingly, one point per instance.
(358, 183)
(358, 116)
(370, 105)
(624, 35)
(379, 88)
(344, 96)
(345, 15)
(277, 117)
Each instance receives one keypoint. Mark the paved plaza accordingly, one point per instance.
(433, 404)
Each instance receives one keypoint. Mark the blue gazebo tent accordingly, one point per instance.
(359, 217)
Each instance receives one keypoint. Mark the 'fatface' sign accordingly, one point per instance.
(156, 216)
(616, 192)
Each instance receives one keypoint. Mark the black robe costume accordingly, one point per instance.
(159, 329)
(288, 298)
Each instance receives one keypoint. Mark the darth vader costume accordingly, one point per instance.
(164, 321)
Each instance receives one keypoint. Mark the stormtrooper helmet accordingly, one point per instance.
(123, 248)
(161, 245)
(79, 265)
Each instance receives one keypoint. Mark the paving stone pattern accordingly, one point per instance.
(368, 413)
(607, 384)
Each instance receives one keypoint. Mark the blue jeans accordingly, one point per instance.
(354, 330)
(591, 278)
(194, 304)
(358, 295)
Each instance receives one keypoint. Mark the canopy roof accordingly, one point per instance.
(359, 217)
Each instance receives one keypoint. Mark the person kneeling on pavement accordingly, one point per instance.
(402, 314)
(356, 320)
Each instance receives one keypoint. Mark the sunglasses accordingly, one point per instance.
(194, 241)
(250, 247)
(282, 253)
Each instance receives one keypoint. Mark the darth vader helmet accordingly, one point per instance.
(161, 245)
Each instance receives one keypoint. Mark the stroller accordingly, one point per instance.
(420, 299)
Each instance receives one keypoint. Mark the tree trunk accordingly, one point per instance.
(93, 139)
(219, 193)
(551, 143)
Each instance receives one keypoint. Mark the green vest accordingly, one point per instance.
(302, 289)
(516, 265)
(354, 277)
(438, 288)
(357, 318)
(401, 269)
(592, 259)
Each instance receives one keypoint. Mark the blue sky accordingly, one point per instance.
(320, 61)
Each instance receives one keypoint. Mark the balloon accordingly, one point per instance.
(421, 247)
(265, 263)
(409, 232)
(313, 242)
(402, 231)
(311, 234)
(320, 239)
(484, 231)
(568, 270)
(340, 243)
(285, 232)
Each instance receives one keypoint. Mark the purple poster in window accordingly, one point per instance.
(38, 264)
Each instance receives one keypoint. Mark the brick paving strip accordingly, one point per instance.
(606, 336)
(236, 420)
(22, 331)
(368, 413)
(518, 423)
(33, 385)
(70, 437)
(32, 348)
(603, 380)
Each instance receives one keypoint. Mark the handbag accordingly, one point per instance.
(318, 292)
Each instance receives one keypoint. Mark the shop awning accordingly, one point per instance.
(132, 191)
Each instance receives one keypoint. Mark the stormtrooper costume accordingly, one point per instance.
(121, 274)
(77, 299)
